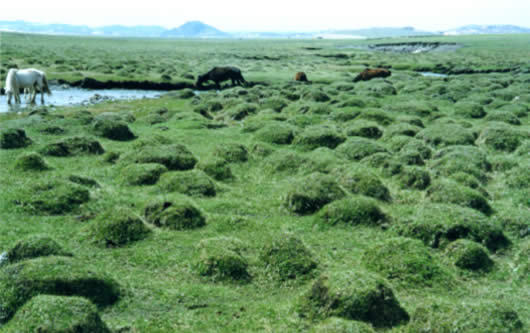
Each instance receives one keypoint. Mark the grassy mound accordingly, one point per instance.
(442, 135)
(277, 134)
(522, 266)
(317, 96)
(338, 325)
(402, 128)
(174, 157)
(438, 225)
(275, 103)
(365, 129)
(221, 259)
(395, 143)
(113, 129)
(470, 160)
(379, 116)
(469, 255)
(503, 116)
(413, 178)
(288, 162)
(312, 192)
(418, 146)
(242, 111)
(174, 215)
(356, 295)
(31, 162)
(519, 177)
(410, 157)
(500, 136)
(117, 227)
(344, 115)
(231, 152)
(484, 317)
(73, 146)
(470, 181)
(53, 197)
(356, 148)
(84, 181)
(54, 276)
(318, 136)
(447, 191)
(288, 258)
(13, 138)
(384, 162)
(322, 159)
(363, 182)
(193, 183)
(143, 173)
(351, 211)
(57, 314)
(218, 169)
(33, 247)
(406, 261)
(469, 110)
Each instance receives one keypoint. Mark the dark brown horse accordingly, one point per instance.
(220, 74)
(370, 73)
(300, 76)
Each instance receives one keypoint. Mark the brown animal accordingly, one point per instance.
(300, 76)
(370, 73)
(220, 74)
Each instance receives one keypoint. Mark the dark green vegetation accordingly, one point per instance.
(50, 314)
(391, 205)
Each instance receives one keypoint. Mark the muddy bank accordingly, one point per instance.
(459, 71)
(90, 83)
(335, 56)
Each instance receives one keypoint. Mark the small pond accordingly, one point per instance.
(66, 95)
(433, 74)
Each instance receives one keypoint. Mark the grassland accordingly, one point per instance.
(393, 205)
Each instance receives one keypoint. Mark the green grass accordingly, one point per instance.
(282, 207)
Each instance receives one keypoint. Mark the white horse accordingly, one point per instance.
(26, 78)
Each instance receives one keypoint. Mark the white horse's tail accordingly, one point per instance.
(11, 82)
(45, 86)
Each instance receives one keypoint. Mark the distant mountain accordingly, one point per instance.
(195, 29)
(68, 29)
(475, 29)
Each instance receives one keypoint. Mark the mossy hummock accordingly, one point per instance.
(54, 314)
(288, 258)
(54, 276)
(356, 295)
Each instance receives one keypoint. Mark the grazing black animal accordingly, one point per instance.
(220, 74)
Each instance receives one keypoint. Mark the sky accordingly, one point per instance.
(273, 15)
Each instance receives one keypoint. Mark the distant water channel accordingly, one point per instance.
(65, 95)
(433, 74)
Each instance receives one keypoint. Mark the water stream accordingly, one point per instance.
(65, 95)
(433, 74)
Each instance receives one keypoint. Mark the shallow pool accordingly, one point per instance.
(433, 74)
(64, 95)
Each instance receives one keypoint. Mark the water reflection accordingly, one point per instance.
(65, 95)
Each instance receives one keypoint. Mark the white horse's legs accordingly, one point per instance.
(9, 95)
(32, 94)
